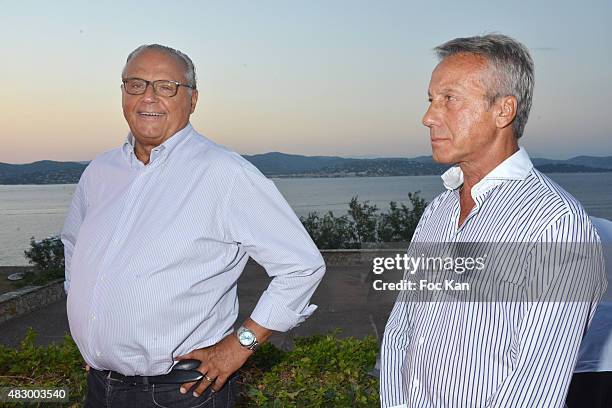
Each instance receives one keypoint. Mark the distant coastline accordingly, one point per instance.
(281, 165)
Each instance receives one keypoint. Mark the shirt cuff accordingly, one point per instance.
(272, 314)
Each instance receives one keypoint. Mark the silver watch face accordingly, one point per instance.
(246, 337)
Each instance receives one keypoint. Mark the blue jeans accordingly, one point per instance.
(103, 392)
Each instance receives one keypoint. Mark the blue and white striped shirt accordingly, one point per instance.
(153, 253)
(496, 354)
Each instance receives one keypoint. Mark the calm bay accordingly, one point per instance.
(39, 210)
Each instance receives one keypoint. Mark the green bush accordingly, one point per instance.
(47, 257)
(56, 365)
(330, 231)
(46, 254)
(365, 224)
(320, 371)
(399, 224)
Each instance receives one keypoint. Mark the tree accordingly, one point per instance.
(365, 217)
(365, 224)
(399, 224)
(330, 232)
(47, 257)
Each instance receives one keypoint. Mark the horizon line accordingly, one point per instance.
(359, 157)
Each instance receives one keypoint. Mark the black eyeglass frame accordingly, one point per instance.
(153, 84)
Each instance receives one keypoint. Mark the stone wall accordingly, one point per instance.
(342, 257)
(355, 257)
(30, 298)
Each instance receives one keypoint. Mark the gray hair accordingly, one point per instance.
(511, 67)
(190, 75)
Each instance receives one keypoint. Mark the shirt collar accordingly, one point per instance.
(515, 167)
(163, 150)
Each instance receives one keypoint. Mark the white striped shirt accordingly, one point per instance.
(496, 354)
(153, 253)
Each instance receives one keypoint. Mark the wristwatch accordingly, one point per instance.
(247, 338)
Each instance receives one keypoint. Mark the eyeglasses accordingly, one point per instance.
(161, 87)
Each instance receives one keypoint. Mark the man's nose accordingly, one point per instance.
(149, 93)
(429, 119)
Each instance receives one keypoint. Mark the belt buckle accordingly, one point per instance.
(115, 376)
(126, 379)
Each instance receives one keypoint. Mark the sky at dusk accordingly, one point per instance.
(345, 78)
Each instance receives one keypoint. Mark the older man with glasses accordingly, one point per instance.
(158, 233)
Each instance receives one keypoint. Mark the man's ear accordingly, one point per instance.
(506, 111)
(194, 99)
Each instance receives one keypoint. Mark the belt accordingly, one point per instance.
(183, 372)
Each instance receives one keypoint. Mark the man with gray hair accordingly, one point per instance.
(157, 235)
(517, 346)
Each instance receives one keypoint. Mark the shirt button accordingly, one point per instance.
(421, 341)
(93, 316)
(415, 383)
(98, 353)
